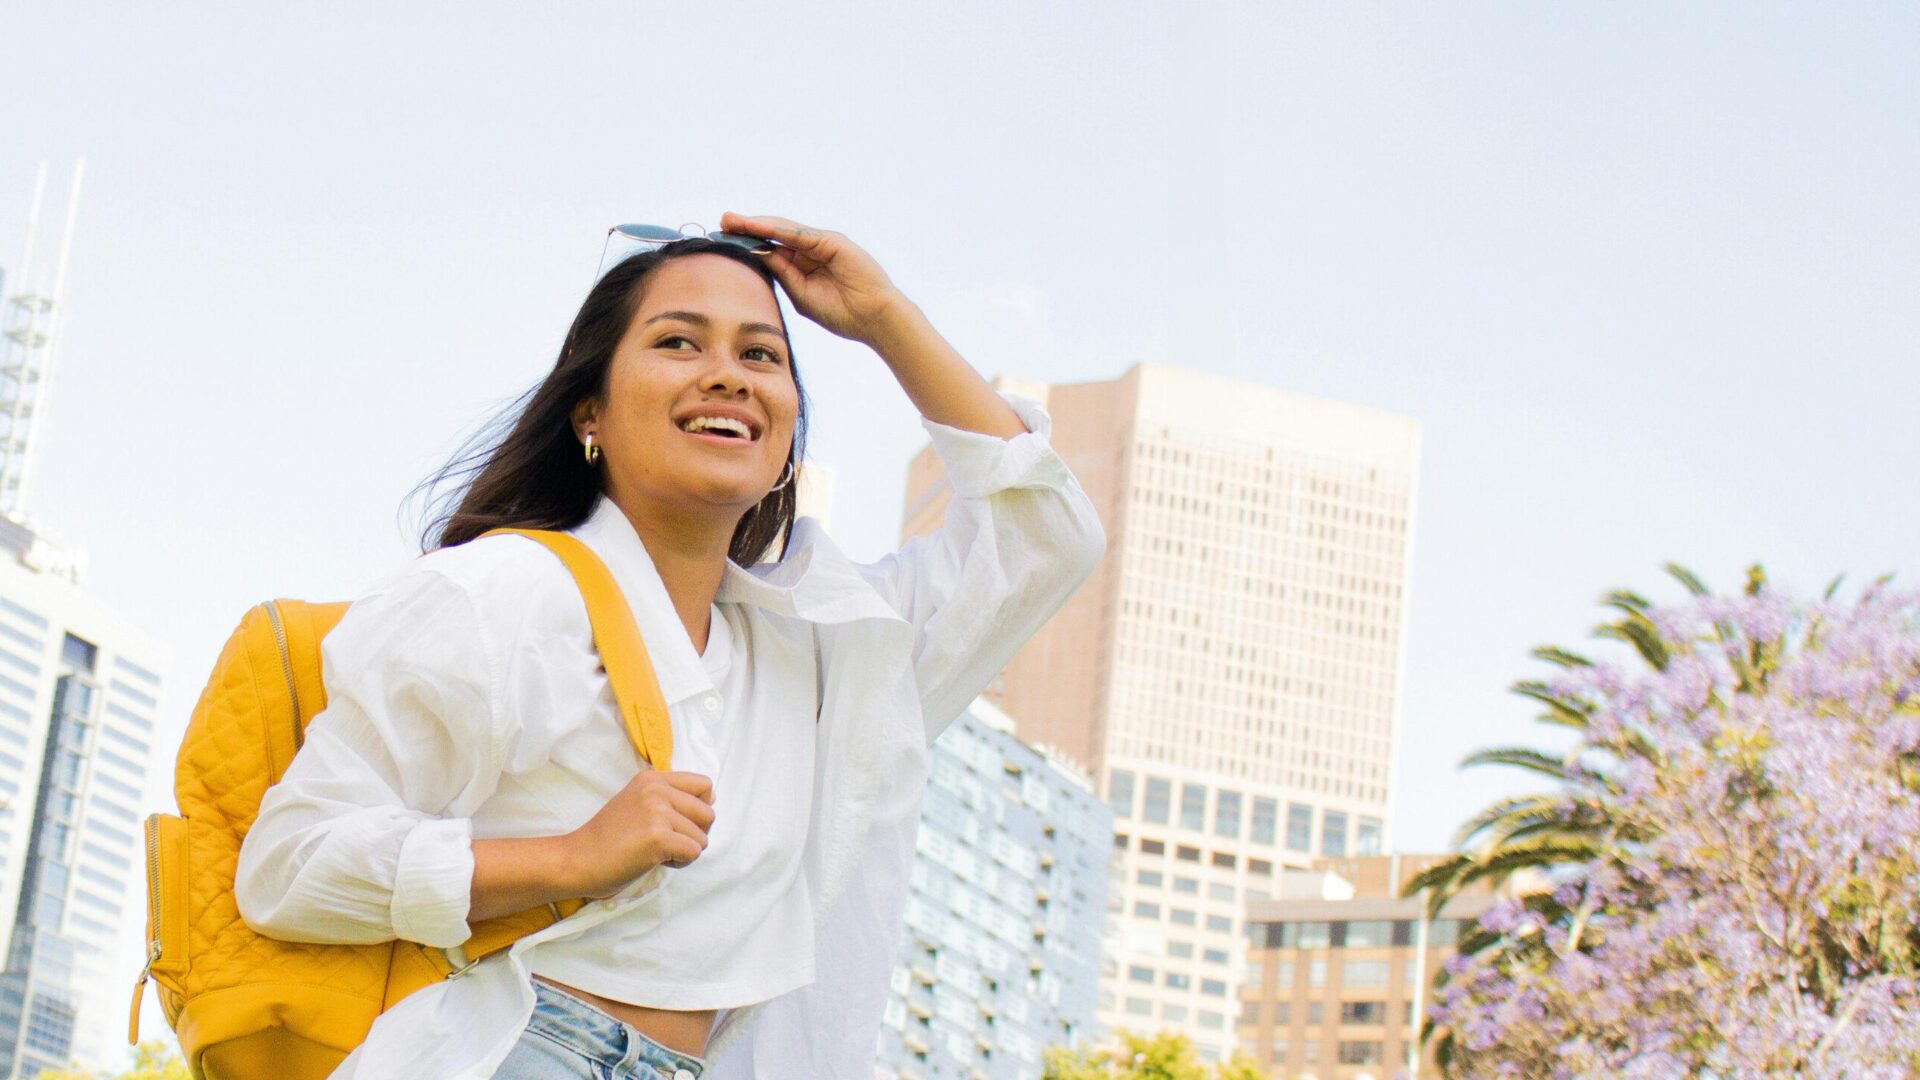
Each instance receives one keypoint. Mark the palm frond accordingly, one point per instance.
(1687, 579)
(1554, 654)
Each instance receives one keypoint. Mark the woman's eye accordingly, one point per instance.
(670, 340)
(768, 354)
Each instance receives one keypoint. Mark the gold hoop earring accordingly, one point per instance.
(593, 452)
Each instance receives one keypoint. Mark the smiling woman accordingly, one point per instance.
(471, 760)
(625, 371)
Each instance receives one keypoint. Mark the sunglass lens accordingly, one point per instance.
(650, 234)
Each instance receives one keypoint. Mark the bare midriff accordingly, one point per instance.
(684, 1030)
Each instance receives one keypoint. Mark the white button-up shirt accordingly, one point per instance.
(465, 700)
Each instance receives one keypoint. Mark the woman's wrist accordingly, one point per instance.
(513, 874)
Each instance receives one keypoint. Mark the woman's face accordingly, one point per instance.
(707, 333)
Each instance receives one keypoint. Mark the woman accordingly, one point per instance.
(470, 761)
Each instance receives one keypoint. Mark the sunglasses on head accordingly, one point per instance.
(641, 237)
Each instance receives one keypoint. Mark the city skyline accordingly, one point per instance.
(1639, 273)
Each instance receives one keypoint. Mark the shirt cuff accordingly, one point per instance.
(433, 883)
(979, 464)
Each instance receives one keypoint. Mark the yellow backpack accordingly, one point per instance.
(246, 1006)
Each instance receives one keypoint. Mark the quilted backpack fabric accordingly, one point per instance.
(248, 1006)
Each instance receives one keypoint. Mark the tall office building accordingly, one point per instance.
(1000, 956)
(79, 691)
(1231, 673)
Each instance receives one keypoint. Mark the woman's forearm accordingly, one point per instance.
(942, 385)
(514, 874)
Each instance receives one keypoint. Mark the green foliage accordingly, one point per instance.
(1165, 1056)
(152, 1060)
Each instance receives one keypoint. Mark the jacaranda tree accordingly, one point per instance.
(1730, 850)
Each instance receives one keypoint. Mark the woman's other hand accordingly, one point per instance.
(659, 817)
(827, 276)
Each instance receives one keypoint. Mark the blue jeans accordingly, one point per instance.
(568, 1039)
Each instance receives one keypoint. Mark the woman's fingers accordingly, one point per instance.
(817, 243)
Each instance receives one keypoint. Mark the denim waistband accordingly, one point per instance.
(602, 1036)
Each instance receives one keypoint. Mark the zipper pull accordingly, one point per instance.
(139, 987)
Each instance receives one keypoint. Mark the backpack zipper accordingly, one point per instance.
(286, 666)
(153, 946)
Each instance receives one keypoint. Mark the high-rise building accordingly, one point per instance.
(1231, 673)
(1341, 966)
(79, 693)
(1000, 957)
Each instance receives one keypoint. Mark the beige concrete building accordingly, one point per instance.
(1340, 968)
(1231, 672)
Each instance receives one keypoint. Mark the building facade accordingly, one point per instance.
(1231, 674)
(79, 694)
(1000, 956)
(1340, 969)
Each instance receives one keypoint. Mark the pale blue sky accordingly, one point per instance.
(1645, 274)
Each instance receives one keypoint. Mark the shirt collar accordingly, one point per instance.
(813, 581)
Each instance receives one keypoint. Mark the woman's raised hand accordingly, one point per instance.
(827, 276)
(659, 817)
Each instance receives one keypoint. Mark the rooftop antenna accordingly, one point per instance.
(29, 345)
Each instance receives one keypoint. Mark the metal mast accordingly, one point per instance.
(29, 346)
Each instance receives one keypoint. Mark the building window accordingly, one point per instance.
(1316, 977)
(1140, 974)
(1186, 885)
(1310, 935)
(1299, 827)
(1366, 837)
(1220, 890)
(1159, 795)
(1365, 1052)
(1369, 934)
(1363, 1012)
(1180, 917)
(1364, 973)
(1226, 859)
(1149, 877)
(1144, 910)
(1120, 792)
(78, 654)
(1152, 847)
(1314, 1016)
(1260, 828)
(1213, 987)
(1260, 867)
(1185, 853)
(1333, 834)
(1213, 1020)
(1226, 813)
(1139, 1007)
(1177, 981)
(1182, 950)
(1175, 1013)
(1193, 807)
(1220, 924)
(1216, 956)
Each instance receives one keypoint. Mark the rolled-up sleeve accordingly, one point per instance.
(366, 838)
(1018, 537)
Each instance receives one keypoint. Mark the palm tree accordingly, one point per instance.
(1579, 824)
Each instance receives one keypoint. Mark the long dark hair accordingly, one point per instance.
(536, 476)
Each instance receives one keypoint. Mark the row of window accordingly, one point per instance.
(1314, 1015)
(1226, 860)
(1353, 933)
(1231, 811)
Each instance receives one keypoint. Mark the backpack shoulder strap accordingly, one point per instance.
(636, 690)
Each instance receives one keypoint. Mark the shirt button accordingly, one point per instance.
(711, 704)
